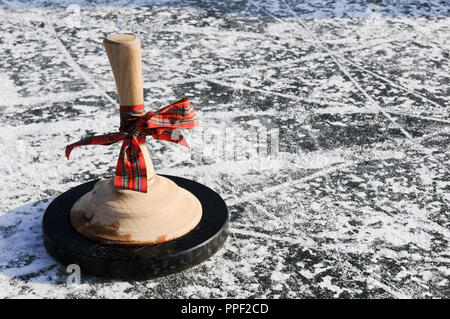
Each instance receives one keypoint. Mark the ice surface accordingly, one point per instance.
(355, 203)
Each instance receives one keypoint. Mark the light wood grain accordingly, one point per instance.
(124, 54)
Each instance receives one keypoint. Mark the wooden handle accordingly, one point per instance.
(124, 54)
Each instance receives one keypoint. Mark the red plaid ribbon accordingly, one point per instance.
(135, 124)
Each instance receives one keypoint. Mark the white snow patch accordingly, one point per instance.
(327, 284)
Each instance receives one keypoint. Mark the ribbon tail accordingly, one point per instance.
(69, 149)
(131, 172)
(169, 135)
(184, 143)
(106, 139)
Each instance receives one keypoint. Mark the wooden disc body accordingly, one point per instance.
(133, 262)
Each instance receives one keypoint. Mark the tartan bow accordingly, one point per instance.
(135, 124)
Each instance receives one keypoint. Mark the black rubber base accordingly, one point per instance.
(135, 262)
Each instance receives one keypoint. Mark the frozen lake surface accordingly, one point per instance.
(355, 203)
